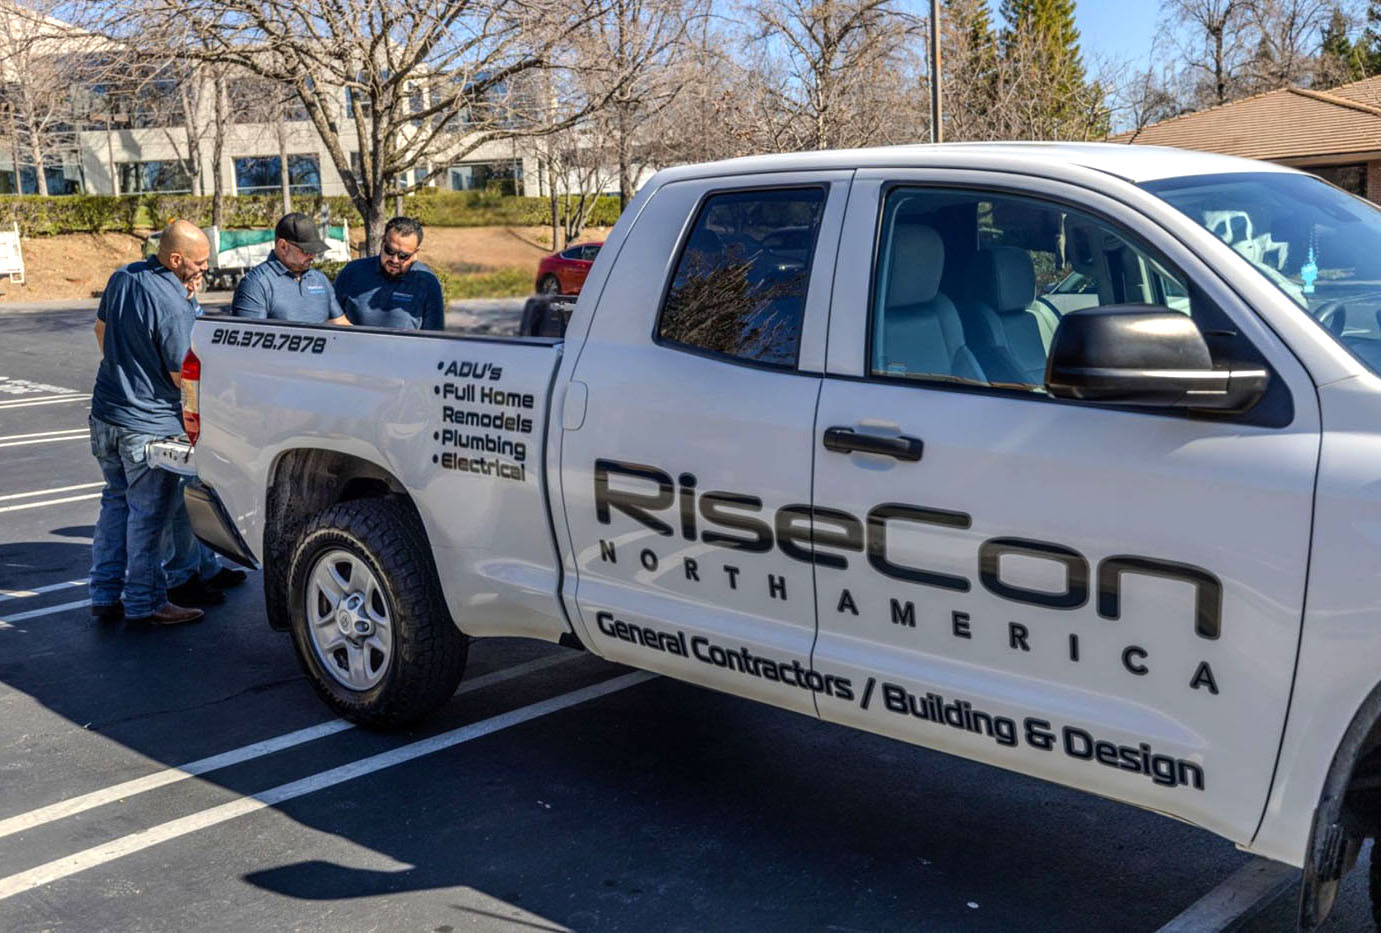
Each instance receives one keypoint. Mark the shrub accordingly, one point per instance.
(94, 213)
(77, 213)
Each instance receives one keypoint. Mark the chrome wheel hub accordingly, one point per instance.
(349, 620)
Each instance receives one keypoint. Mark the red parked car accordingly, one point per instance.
(563, 273)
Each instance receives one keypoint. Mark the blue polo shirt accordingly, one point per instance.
(271, 290)
(370, 297)
(148, 319)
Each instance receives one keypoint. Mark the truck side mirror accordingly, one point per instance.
(1139, 354)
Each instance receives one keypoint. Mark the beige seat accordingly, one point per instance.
(921, 333)
(1008, 330)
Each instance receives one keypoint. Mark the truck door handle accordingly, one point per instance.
(847, 440)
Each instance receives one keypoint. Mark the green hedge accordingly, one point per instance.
(507, 282)
(95, 213)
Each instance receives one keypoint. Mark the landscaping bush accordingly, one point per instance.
(75, 213)
(508, 282)
(95, 213)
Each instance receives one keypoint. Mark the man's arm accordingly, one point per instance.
(337, 315)
(100, 337)
(251, 298)
(434, 314)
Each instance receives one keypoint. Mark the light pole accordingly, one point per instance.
(936, 133)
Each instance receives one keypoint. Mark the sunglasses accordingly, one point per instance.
(399, 255)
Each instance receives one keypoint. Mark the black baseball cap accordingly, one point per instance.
(299, 230)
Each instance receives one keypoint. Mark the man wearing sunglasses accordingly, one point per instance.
(285, 287)
(393, 289)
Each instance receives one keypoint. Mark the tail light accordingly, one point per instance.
(191, 396)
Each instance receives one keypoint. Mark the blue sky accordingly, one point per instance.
(1120, 28)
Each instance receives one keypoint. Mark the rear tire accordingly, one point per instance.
(367, 615)
(549, 285)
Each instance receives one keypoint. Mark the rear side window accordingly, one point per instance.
(740, 285)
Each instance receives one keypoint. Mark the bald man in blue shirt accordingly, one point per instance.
(393, 289)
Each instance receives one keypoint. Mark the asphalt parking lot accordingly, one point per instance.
(189, 778)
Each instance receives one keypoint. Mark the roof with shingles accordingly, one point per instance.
(1290, 123)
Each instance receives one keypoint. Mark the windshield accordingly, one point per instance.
(1316, 243)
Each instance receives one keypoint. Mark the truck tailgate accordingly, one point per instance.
(459, 423)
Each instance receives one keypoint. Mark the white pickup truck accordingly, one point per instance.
(828, 431)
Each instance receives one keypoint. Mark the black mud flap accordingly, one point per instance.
(213, 526)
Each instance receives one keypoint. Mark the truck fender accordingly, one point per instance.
(1348, 811)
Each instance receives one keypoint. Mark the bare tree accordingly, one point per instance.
(44, 61)
(628, 57)
(1214, 40)
(391, 86)
(1288, 37)
(847, 73)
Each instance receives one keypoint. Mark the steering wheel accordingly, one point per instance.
(1333, 316)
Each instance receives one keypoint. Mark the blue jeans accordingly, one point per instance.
(183, 555)
(126, 551)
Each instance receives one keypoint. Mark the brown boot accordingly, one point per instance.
(167, 614)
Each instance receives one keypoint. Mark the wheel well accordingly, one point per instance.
(301, 484)
(1348, 812)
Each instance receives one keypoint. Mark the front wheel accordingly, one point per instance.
(549, 285)
(367, 615)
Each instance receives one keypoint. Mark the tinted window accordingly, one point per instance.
(970, 286)
(740, 285)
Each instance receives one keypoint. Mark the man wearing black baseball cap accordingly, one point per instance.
(285, 287)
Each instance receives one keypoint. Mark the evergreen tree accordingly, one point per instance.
(1040, 45)
(1371, 40)
(1340, 60)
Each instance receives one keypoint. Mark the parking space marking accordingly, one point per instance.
(47, 502)
(1245, 891)
(278, 743)
(10, 497)
(137, 842)
(42, 400)
(47, 437)
(46, 611)
(38, 590)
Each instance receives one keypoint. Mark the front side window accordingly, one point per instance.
(740, 285)
(1320, 246)
(969, 286)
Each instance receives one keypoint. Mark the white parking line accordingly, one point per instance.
(59, 501)
(46, 611)
(99, 798)
(64, 431)
(46, 438)
(173, 829)
(38, 590)
(47, 492)
(42, 400)
(1244, 892)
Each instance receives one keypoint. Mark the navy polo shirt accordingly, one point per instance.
(271, 290)
(148, 319)
(370, 297)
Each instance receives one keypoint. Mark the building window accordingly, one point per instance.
(505, 176)
(138, 177)
(65, 179)
(1351, 178)
(262, 174)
